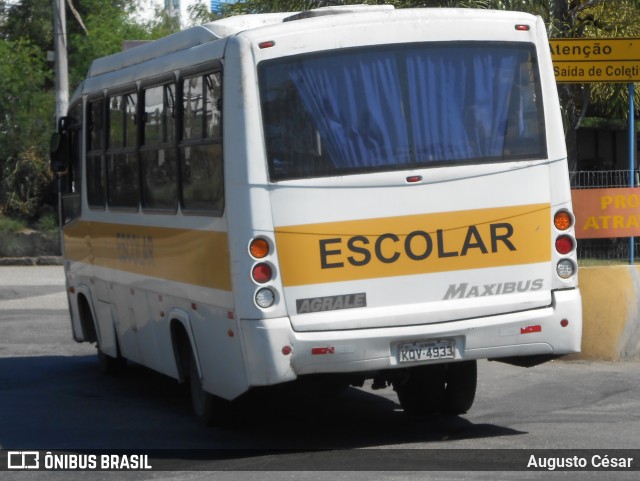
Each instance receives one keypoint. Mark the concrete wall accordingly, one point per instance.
(29, 243)
(610, 312)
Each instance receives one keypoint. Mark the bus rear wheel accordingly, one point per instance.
(422, 393)
(110, 366)
(208, 409)
(460, 392)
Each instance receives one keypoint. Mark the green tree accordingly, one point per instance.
(26, 109)
(267, 6)
(108, 23)
(28, 19)
(611, 100)
(200, 13)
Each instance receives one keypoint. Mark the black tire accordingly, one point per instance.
(422, 393)
(461, 382)
(201, 401)
(108, 365)
(111, 366)
(208, 409)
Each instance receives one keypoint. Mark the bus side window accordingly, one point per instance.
(123, 186)
(201, 146)
(95, 154)
(158, 153)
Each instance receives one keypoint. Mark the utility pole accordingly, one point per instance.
(62, 82)
(61, 64)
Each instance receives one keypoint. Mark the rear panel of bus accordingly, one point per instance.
(404, 169)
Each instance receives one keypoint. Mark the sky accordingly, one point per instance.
(148, 6)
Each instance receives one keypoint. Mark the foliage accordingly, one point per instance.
(25, 123)
(267, 6)
(608, 99)
(25, 182)
(28, 20)
(8, 225)
(199, 13)
(47, 222)
(108, 23)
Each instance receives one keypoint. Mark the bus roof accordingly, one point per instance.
(226, 27)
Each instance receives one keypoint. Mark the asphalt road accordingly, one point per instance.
(52, 397)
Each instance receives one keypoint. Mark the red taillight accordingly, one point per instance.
(267, 44)
(261, 273)
(522, 28)
(564, 244)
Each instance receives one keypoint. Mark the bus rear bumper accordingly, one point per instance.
(275, 353)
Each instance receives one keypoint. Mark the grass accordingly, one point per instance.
(604, 262)
(47, 223)
(11, 225)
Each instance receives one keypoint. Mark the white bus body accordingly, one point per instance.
(403, 172)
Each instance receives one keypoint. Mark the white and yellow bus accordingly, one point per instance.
(338, 195)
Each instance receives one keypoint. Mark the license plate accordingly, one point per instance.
(427, 350)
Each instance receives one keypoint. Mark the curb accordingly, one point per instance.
(31, 261)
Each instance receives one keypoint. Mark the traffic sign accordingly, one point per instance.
(583, 60)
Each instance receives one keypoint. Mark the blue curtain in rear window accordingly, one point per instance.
(413, 106)
(356, 102)
(460, 101)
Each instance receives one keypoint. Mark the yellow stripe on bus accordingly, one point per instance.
(183, 255)
(415, 244)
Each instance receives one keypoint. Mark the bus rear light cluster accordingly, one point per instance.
(259, 248)
(265, 298)
(565, 243)
(262, 272)
(562, 220)
(565, 268)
